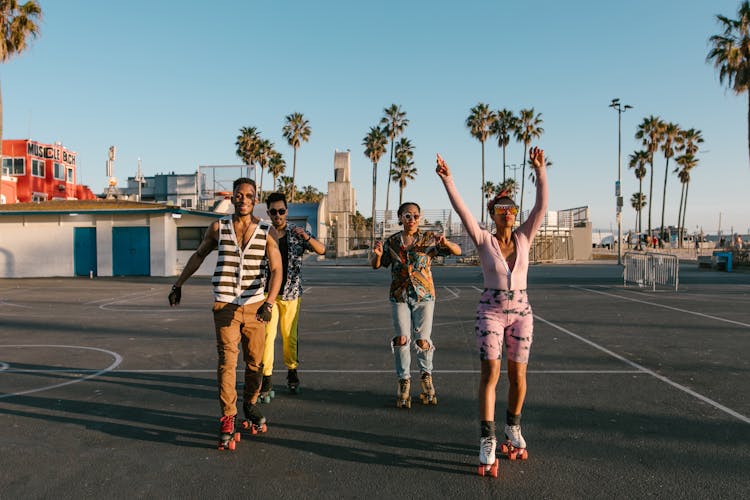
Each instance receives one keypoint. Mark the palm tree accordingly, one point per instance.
(649, 132)
(394, 123)
(528, 128)
(403, 167)
(286, 184)
(730, 53)
(510, 186)
(638, 201)
(687, 162)
(247, 145)
(276, 166)
(265, 151)
(478, 122)
(309, 194)
(489, 190)
(690, 141)
(375, 143)
(296, 130)
(19, 23)
(638, 162)
(501, 127)
(671, 138)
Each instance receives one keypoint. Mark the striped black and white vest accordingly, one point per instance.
(239, 277)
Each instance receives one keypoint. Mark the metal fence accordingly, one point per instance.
(651, 269)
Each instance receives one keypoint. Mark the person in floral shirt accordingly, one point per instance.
(409, 253)
(294, 241)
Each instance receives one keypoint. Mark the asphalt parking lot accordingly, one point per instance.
(105, 391)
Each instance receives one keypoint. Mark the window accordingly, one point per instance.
(189, 238)
(59, 171)
(70, 175)
(38, 197)
(37, 168)
(186, 203)
(14, 166)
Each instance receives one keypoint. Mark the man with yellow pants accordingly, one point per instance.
(293, 241)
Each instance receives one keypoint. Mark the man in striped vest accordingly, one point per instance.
(245, 244)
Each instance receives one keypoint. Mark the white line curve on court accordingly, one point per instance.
(643, 369)
(631, 299)
(115, 364)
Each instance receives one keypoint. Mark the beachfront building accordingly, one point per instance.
(180, 190)
(33, 172)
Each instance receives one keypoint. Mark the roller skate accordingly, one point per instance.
(254, 419)
(266, 390)
(292, 381)
(514, 445)
(428, 396)
(228, 434)
(403, 398)
(488, 463)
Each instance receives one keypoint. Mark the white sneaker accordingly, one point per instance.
(513, 434)
(487, 450)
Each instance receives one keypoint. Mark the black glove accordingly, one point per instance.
(264, 312)
(175, 295)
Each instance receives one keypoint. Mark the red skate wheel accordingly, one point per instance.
(493, 469)
(480, 470)
(523, 455)
(232, 445)
(237, 436)
(504, 449)
(245, 424)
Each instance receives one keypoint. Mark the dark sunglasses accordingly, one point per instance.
(280, 211)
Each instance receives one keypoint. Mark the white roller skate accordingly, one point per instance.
(403, 398)
(428, 396)
(514, 445)
(487, 461)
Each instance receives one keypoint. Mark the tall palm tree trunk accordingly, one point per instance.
(388, 184)
(650, 197)
(481, 190)
(664, 197)
(679, 218)
(503, 164)
(684, 210)
(374, 187)
(523, 184)
(294, 175)
(640, 206)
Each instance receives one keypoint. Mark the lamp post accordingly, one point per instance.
(620, 108)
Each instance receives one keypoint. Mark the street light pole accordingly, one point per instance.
(620, 108)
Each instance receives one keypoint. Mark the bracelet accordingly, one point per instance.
(308, 238)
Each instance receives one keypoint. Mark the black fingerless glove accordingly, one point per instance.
(175, 295)
(264, 312)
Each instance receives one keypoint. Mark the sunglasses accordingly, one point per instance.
(410, 216)
(280, 211)
(505, 209)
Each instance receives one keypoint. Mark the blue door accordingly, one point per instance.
(131, 255)
(84, 251)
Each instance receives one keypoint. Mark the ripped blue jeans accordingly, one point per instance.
(412, 319)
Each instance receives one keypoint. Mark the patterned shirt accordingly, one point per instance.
(292, 262)
(411, 277)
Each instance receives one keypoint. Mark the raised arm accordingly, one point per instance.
(536, 217)
(469, 222)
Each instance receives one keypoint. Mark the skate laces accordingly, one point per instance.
(487, 446)
(513, 433)
(227, 424)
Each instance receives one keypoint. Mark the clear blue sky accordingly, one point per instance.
(173, 85)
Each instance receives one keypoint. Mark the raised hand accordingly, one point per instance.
(537, 157)
(442, 168)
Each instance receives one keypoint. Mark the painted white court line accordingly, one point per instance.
(443, 372)
(115, 364)
(645, 370)
(663, 306)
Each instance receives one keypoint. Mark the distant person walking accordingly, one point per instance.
(294, 241)
(409, 253)
(504, 316)
(240, 307)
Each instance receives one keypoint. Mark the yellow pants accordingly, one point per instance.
(284, 316)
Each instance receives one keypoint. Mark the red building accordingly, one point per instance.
(41, 172)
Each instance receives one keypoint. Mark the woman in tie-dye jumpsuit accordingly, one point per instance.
(504, 315)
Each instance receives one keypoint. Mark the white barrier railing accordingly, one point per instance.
(651, 269)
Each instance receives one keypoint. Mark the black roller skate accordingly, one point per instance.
(254, 419)
(428, 396)
(292, 381)
(228, 434)
(403, 398)
(266, 390)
